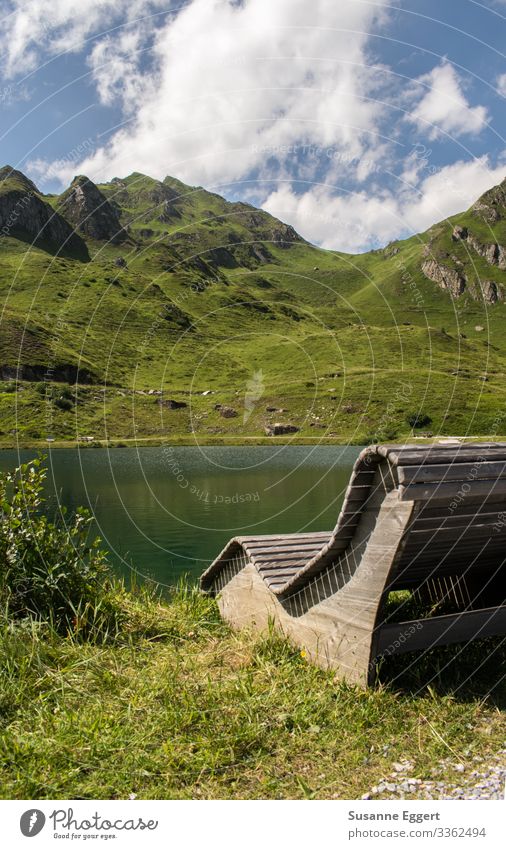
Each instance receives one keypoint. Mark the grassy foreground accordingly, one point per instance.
(175, 705)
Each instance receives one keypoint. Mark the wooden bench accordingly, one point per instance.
(429, 520)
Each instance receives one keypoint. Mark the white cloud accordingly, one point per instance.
(501, 84)
(222, 90)
(227, 81)
(444, 108)
(359, 220)
(32, 29)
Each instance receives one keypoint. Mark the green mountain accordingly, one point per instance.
(152, 310)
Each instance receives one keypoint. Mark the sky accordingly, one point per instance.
(356, 121)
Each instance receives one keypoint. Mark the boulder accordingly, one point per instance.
(279, 429)
(228, 412)
(171, 404)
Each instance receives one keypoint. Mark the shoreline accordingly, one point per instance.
(186, 440)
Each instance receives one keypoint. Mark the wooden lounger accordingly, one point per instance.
(428, 519)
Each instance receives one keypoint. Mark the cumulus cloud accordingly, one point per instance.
(228, 83)
(360, 220)
(32, 29)
(223, 91)
(444, 107)
(501, 84)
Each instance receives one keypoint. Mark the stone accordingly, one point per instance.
(171, 404)
(279, 429)
(228, 412)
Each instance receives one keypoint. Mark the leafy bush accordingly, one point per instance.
(63, 403)
(50, 571)
(419, 420)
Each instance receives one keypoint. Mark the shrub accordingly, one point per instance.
(63, 403)
(50, 571)
(419, 420)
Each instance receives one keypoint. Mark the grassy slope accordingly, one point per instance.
(178, 706)
(348, 345)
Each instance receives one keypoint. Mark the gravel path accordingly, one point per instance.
(474, 779)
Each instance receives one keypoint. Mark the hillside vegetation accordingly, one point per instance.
(106, 693)
(150, 310)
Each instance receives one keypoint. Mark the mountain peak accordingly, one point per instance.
(89, 211)
(491, 206)
(16, 179)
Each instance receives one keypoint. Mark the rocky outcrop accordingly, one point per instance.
(492, 252)
(459, 233)
(222, 257)
(165, 201)
(25, 215)
(447, 278)
(491, 206)
(89, 211)
(284, 236)
(491, 292)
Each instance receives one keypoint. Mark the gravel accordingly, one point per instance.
(475, 779)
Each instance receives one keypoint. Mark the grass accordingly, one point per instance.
(333, 335)
(175, 705)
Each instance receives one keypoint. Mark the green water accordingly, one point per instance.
(166, 512)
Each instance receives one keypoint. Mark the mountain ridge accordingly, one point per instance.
(139, 285)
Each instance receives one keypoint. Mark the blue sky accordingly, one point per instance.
(357, 121)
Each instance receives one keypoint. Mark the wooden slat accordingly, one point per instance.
(363, 477)
(455, 533)
(289, 561)
(275, 550)
(453, 472)
(276, 571)
(446, 456)
(416, 634)
(448, 491)
(457, 548)
(282, 537)
(459, 520)
(469, 511)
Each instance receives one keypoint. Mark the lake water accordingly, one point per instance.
(166, 512)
